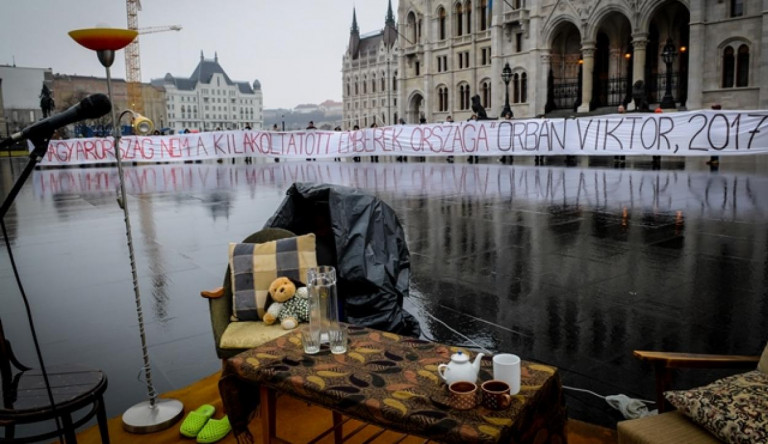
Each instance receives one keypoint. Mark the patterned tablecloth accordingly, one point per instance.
(392, 381)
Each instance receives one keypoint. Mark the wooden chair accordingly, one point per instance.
(664, 364)
(671, 426)
(26, 401)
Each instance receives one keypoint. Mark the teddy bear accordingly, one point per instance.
(290, 304)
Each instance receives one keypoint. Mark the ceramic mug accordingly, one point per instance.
(463, 395)
(506, 367)
(496, 395)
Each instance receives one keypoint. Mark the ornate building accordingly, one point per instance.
(369, 74)
(564, 56)
(209, 99)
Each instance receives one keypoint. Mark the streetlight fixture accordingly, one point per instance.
(506, 76)
(668, 54)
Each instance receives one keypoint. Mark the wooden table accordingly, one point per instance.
(390, 381)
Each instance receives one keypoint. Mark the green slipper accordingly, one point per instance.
(214, 430)
(196, 420)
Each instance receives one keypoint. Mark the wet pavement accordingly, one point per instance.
(574, 266)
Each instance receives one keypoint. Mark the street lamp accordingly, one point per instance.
(668, 54)
(506, 76)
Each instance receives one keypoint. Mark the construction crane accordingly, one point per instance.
(132, 57)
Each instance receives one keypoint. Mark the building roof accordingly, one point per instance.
(203, 73)
(370, 42)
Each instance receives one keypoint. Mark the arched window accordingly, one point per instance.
(728, 67)
(442, 99)
(357, 91)
(441, 23)
(483, 15)
(516, 88)
(459, 19)
(486, 89)
(411, 27)
(373, 83)
(742, 66)
(365, 84)
(468, 13)
(383, 82)
(394, 82)
(464, 103)
(348, 90)
(524, 88)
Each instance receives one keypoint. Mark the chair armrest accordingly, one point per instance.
(663, 362)
(692, 360)
(213, 294)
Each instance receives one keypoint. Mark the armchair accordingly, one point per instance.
(220, 305)
(672, 426)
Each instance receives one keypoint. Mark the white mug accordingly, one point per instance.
(506, 367)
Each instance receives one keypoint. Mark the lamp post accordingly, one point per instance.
(668, 54)
(154, 414)
(506, 76)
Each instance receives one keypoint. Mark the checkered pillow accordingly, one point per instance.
(255, 266)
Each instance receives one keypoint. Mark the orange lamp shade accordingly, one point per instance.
(99, 39)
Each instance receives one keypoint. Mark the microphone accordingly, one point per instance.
(91, 107)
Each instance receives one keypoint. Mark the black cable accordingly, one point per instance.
(59, 429)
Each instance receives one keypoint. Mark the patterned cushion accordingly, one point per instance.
(735, 409)
(763, 364)
(255, 266)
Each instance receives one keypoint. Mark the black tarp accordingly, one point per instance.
(362, 237)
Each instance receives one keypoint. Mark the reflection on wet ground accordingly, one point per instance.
(574, 267)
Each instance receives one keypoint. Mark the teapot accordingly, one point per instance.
(460, 369)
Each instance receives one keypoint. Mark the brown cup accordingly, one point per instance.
(496, 395)
(463, 395)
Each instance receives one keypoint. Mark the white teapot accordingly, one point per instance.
(460, 369)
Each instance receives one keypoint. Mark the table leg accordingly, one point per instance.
(338, 435)
(268, 415)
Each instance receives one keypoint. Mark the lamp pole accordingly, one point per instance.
(668, 54)
(506, 75)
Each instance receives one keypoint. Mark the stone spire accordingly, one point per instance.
(355, 29)
(390, 28)
(354, 36)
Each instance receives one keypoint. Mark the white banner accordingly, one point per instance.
(692, 133)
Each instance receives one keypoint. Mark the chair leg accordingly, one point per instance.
(70, 437)
(101, 415)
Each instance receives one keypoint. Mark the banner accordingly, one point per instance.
(693, 133)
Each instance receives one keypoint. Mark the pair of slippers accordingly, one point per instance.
(198, 424)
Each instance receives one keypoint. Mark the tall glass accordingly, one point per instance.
(323, 301)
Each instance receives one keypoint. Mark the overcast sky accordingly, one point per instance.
(293, 47)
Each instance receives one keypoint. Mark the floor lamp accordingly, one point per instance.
(155, 414)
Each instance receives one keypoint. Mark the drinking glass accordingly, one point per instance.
(338, 339)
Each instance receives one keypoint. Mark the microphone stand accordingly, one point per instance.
(41, 146)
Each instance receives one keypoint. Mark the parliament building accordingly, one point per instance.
(561, 57)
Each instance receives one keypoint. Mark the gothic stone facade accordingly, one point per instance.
(569, 56)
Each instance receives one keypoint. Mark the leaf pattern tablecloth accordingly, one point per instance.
(392, 381)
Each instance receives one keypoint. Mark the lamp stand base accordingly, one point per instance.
(143, 418)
